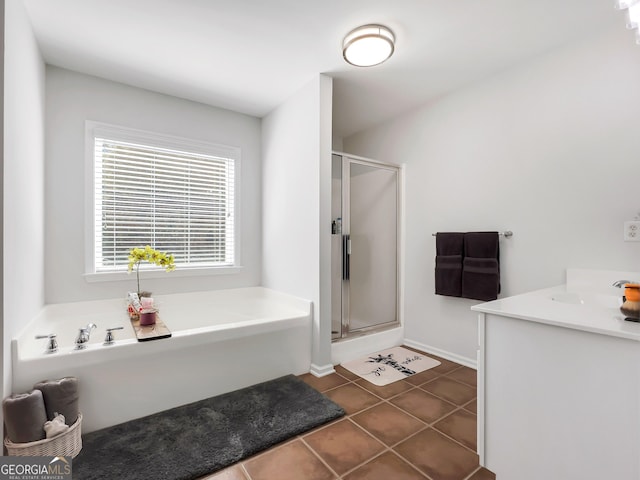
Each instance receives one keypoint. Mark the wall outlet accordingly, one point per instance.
(632, 231)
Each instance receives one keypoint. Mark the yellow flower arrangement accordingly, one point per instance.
(148, 254)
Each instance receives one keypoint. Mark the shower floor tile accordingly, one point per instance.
(422, 428)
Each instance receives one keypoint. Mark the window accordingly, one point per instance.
(173, 194)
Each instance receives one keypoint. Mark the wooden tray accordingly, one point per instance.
(146, 333)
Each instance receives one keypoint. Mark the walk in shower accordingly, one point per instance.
(365, 248)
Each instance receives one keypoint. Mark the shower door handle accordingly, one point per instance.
(346, 252)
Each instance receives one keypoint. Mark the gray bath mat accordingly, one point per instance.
(200, 438)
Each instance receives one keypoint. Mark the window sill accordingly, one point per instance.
(179, 272)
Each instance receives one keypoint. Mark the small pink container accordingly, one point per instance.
(147, 317)
(147, 302)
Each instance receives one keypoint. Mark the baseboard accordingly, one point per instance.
(467, 362)
(321, 371)
(352, 348)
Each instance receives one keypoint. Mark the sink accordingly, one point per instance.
(588, 299)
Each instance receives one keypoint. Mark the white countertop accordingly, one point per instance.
(598, 314)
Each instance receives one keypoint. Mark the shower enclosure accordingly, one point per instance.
(365, 249)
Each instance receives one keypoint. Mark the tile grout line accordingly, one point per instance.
(244, 471)
(468, 477)
(454, 440)
(387, 448)
(412, 464)
(242, 463)
(319, 457)
(449, 401)
(461, 381)
(433, 426)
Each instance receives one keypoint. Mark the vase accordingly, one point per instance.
(631, 306)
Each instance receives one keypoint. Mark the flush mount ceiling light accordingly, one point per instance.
(368, 45)
(633, 15)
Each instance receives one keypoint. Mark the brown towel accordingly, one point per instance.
(448, 272)
(481, 266)
(60, 396)
(24, 417)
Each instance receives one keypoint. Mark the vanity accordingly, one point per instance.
(559, 382)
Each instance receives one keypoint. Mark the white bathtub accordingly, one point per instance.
(221, 341)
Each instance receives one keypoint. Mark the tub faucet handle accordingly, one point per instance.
(109, 339)
(52, 344)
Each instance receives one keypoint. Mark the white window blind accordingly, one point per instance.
(176, 201)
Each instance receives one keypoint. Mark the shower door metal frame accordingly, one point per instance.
(347, 160)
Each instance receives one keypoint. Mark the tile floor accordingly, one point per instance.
(420, 428)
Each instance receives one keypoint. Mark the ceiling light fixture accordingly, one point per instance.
(633, 15)
(368, 45)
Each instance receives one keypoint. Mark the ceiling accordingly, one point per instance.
(251, 55)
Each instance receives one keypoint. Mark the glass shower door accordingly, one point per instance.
(368, 246)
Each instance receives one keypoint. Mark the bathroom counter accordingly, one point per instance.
(560, 306)
(559, 382)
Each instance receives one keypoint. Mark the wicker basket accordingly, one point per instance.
(66, 444)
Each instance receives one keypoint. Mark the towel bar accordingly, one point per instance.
(506, 234)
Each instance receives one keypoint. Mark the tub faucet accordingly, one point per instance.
(83, 336)
(620, 283)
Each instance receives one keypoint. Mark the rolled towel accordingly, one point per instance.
(24, 417)
(55, 427)
(60, 397)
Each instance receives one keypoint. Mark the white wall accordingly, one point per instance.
(296, 215)
(73, 98)
(23, 178)
(549, 150)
